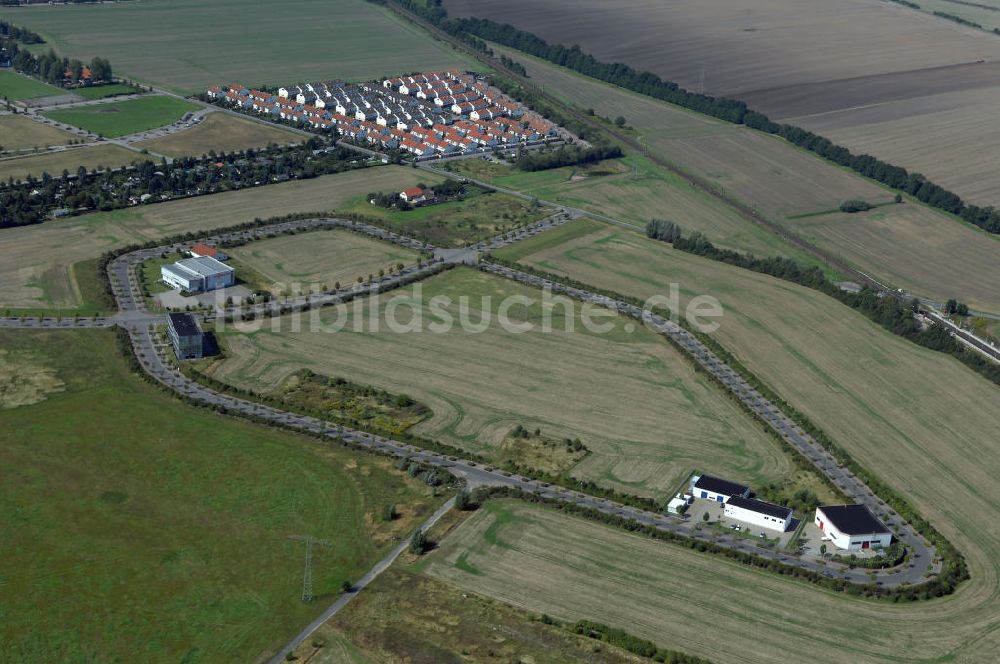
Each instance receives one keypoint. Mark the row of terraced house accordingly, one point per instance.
(428, 115)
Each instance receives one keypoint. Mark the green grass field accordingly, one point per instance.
(635, 190)
(188, 45)
(16, 87)
(102, 91)
(138, 528)
(455, 223)
(35, 260)
(667, 420)
(115, 119)
(315, 261)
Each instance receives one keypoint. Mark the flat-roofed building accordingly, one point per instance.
(852, 527)
(201, 273)
(186, 336)
(758, 513)
(714, 488)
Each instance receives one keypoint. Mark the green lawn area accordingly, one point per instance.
(187, 45)
(115, 119)
(479, 216)
(138, 528)
(101, 91)
(16, 87)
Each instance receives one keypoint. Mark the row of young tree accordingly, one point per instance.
(33, 200)
(730, 110)
(888, 311)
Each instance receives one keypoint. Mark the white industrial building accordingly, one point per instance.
(758, 513)
(202, 273)
(707, 487)
(852, 527)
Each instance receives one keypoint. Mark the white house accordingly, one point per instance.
(719, 490)
(194, 275)
(852, 527)
(758, 513)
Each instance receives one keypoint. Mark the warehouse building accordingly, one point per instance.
(194, 275)
(758, 513)
(852, 527)
(185, 336)
(707, 487)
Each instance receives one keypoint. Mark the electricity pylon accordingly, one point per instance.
(307, 575)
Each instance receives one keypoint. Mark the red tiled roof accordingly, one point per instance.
(204, 250)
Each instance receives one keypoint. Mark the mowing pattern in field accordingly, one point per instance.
(782, 181)
(113, 119)
(665, 421)
(18, 132)
(546, 562)
(918, 419)
(221, 132)
(318, 258)
(93, 156)
(35, 260)
(187, 45)
(138, 528)
(16, 87)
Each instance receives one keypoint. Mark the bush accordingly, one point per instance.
(418, 543)
(855, 205)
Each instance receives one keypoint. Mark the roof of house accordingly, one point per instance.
(413, 191)
(716, 485)
(853, 519)
(185, 325)
(204, 250)
(760, 506)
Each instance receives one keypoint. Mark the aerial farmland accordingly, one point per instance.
(378, 331)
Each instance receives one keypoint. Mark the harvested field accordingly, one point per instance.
(20, 133)
(221, 132)
(950, 137)
(784, 181)
(669, 420)
(918, 419)
(868, 237)
(92, 156)
(113, 119)
(318, 258)
(746, 46)
(543, 561)
(188, 45)
(984, 12)
(811, 63)
(35, 260)
(115, 504)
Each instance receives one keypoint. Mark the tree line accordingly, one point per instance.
(33, 200)
(52, 69)
(566, 155)
(23, 35)
(730, 110)
(888, 311)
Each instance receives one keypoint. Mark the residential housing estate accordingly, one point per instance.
(427, 115)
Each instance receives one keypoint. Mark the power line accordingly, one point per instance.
(307, 579)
